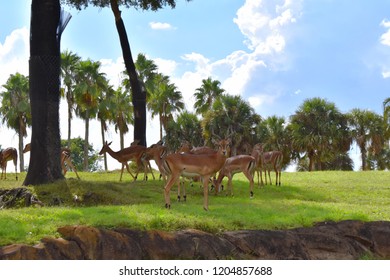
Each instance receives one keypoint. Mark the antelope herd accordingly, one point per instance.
(201, 164)
(197, 163)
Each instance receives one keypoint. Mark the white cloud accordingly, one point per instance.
(263, 23)
(113, 70)
(166, 66)
(259, 100)
(160, 25)
(386, 74)
(385, 38)
(14, 54)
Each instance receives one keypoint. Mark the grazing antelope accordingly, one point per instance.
(236, 164)
(188, 149)
(65, 158)
(203, 165)
(132, 153)
(7, 155)
(273, 160)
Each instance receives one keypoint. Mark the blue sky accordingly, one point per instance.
(274, 53)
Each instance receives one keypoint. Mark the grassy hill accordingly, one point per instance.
(102, 201)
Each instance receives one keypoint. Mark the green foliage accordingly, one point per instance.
(100, 200)
(153, 5)
(15, 104)
(187, 127)
(77, 154)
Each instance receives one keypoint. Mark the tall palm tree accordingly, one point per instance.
(69, 61)
(122, 113)
(105, 114)
(165, 100)
(367, 130)
(15, 108)
(90, 85)
(207, 94)
(318, 127)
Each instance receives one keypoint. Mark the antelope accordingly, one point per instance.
(156, 152)
(203, 165)
(236, 164)
(65, 157)
(273, 160)
(7, 155)
(187, 148)
(257, 153)
(132, 153)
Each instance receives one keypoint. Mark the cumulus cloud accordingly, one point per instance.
(263, 23)
(160, 25)
(385, 38)
(14, 54)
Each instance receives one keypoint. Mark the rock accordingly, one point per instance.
(330, 240)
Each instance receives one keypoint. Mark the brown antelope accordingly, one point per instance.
(7, 155)
(132, 153)
(186, 147)
(273, 160)
(65, 158)
(203, 165)
(156, 152)
(236, 164)
(257, 153)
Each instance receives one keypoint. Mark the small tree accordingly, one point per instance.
(15, 108)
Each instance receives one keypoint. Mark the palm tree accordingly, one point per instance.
(230, 116)
(122, 113)
(69, 61)
(90, 84)
(318, 127)
(273, 134)
(367, 130)
(386, 117)
(186, 127)
(164, 101)
(207, 94)
(15, 108)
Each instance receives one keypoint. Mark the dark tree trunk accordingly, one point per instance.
(86, 143)
(44, 73)
(139, 93)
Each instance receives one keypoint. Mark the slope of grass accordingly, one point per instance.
(103, 201)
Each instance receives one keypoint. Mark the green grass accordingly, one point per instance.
(302, 200)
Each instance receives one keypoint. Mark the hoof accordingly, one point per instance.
(251, 194)
(185, 198)
(206, 208)
(178, 198)
(168, 206)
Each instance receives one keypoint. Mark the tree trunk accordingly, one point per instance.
(104, 141)
(69, 119)
(122, 139)
(364, 156)
(21, 156)
(139, 93)
(86, 143)
(44, 84)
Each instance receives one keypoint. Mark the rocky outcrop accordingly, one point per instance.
(330, 240)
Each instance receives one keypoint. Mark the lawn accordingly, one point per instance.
(302, 200)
